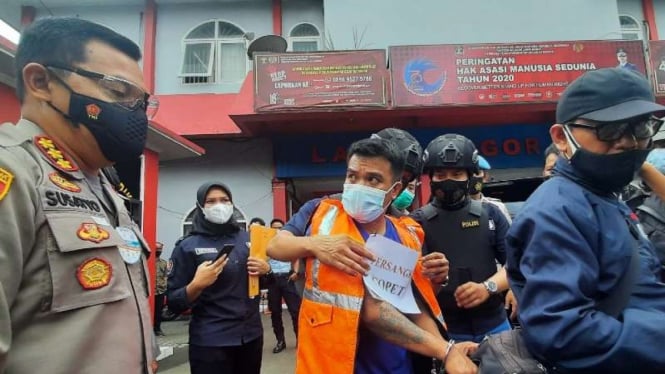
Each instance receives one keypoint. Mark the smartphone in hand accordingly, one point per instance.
(226, 250)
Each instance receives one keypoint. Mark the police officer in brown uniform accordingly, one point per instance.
(73, 278)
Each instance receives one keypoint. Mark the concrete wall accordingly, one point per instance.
(10, 12)
(659, 8)
(246, 167)
(295, 12)
(127, 20)
(399, 22)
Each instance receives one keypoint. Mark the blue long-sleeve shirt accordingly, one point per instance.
(298, 224)
(567, 249)
(223, 315)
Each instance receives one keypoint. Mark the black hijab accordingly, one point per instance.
(201, 226)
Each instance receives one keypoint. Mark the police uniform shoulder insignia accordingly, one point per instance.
(6, 179)
(94, 273)
(63, 183)
(54, 156)
(92, 232)
(492, 226)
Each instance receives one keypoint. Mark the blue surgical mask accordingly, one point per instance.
(364, 204)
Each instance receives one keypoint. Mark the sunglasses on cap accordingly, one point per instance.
(641, 128)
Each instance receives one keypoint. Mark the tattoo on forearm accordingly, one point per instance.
(396, 328)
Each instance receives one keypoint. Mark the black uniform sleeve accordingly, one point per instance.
(182, 270)
(501, 226)
(419, 216)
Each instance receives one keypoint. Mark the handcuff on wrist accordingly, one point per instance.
(449, 348)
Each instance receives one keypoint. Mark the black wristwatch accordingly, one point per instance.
(491, 287)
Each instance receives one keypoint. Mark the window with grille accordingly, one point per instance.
(630, 28)
(215, 51)
(305, 37)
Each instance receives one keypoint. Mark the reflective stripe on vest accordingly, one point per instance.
(315, 294)
(337, 300)
(327, 224)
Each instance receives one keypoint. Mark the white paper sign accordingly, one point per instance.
(389, 277)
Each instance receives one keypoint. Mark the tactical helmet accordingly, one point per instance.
(413, 151)
(451, 151)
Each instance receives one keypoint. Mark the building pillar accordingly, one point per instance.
(28, 14)
(280, 199)
(277, 17)
(149, 42)
(151, 159)
(150, 185)
(423, 190)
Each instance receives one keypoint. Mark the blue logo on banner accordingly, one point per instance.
(415, 77)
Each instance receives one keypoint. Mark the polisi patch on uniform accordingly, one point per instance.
(169, 267)
(470, 223)
(94, 273)
(93, 111)
(54, 156)
(92, 232)
(63, 183)
(492, 226)
(203, 251)
(63, 199)
(6, 179)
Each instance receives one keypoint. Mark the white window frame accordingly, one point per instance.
(292, 39)
(211, 59)
(637, 31)
(214, 73)
(219, 59)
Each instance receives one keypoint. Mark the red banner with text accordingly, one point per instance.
(479, 74)
(289, 81)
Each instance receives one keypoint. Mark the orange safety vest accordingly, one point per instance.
(330, 311)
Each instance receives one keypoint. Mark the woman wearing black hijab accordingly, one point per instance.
(225, 332)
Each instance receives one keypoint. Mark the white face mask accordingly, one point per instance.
(219, 213)
(364, 204)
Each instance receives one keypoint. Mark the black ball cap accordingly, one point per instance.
(607, 95)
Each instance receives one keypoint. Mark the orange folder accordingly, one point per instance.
(259, 236)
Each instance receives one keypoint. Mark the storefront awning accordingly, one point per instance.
(197, 115)
(169, 145)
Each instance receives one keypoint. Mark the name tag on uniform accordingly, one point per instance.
(470, 223)
(204, 251)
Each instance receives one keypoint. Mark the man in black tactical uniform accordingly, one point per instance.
(471, 235)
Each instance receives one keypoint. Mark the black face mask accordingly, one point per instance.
(609, 173)
(449, 192)
(121, 133)
(476, 185)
